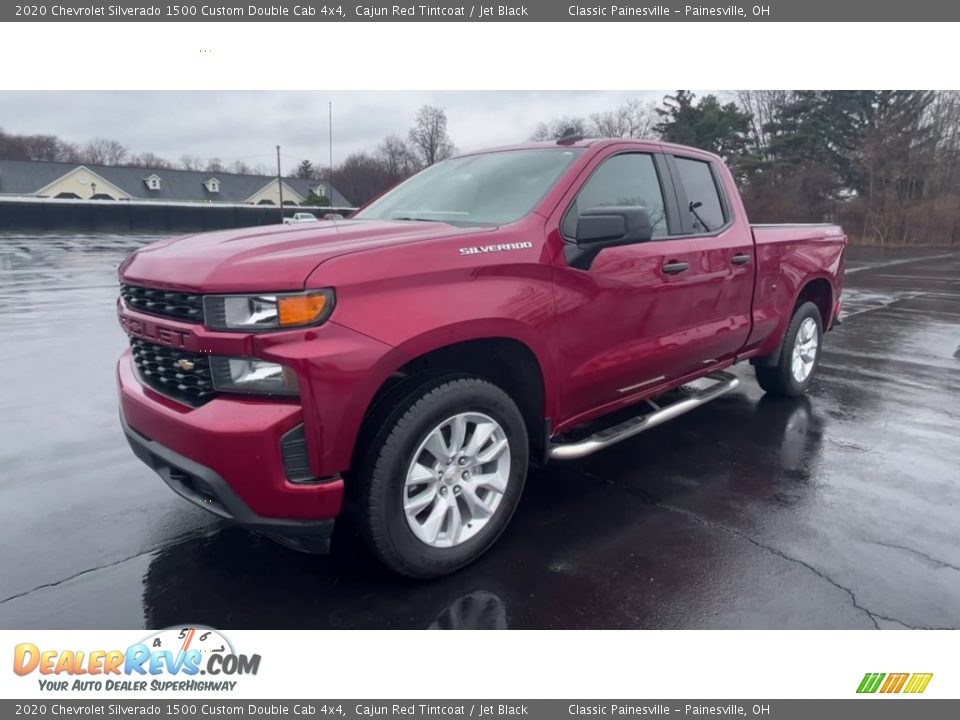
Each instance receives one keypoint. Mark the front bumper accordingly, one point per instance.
(226, 456)
(205, 488)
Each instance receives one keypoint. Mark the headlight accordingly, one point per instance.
(267, 312)
(250, 375)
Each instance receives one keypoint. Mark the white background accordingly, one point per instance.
(433, 56)
(491, 56)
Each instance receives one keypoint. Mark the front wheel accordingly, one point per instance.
(443, 476)
(799, 355)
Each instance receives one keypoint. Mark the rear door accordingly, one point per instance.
(720, 301)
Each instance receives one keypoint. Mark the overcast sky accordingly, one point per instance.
(247, 125)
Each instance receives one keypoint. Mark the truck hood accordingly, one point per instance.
(270, 258)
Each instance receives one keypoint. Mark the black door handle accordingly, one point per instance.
(740, 259)
(674, 267)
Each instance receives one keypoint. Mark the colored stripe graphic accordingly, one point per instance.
(918, 682)
(870, 682)
(895, 683)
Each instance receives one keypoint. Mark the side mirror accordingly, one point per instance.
(603, 227)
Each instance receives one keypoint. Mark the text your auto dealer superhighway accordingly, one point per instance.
(86, 11)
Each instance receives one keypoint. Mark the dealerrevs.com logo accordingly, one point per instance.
(178, 659)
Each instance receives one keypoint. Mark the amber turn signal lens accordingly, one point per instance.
(300, 309)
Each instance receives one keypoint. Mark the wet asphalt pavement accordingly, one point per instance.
(839, 510)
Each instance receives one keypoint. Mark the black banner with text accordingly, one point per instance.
(530, 11)
(197, 709)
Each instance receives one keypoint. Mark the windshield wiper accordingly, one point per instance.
(416, 219)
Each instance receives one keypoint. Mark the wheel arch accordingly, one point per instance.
(820, 292)
(505, 360)
(816, 289)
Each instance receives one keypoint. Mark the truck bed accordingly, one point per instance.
(792, 232)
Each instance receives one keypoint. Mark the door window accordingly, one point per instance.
(630, 179)
(705, 207)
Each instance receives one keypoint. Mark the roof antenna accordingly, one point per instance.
(569, 137)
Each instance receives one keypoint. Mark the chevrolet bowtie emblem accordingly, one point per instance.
(185, 365)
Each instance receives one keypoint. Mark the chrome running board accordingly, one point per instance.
(722, 384)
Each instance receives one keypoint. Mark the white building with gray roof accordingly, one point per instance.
(25, 178)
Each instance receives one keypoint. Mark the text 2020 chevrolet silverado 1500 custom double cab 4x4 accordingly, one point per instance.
(493, 310)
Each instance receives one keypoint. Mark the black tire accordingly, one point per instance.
(383, 468)
(777, 378)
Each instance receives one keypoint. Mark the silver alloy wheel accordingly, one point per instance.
(804, 350)
(457, 479)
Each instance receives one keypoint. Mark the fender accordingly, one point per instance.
(427, 295)
(786, 263)
(340, 452)
(770, 348)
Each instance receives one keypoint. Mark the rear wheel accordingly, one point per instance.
(799, 356)
(442, 476)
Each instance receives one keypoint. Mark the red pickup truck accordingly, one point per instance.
(502, 308)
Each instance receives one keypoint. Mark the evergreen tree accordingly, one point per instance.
(305, 170)
(708, 124)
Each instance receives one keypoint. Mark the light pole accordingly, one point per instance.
(330, 170)
(279, 184)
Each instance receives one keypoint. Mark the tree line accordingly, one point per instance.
(885, 164)
(104, 151)
(364, 175)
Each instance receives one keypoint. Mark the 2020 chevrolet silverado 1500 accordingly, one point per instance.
(500, 308)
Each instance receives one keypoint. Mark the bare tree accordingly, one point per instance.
(101, 151)
(763, 106)
(397, 158)
(361, 177)
(11, 147)
(46, 147)
(556, 127)
(239, 167)
(633, 119)
(149, 160)
(429, 136)
(67, 152)
(191, 162)
(214, 165)
(42, 148)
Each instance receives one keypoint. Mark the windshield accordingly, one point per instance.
(489, 189)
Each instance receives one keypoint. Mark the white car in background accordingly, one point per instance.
(301, 217)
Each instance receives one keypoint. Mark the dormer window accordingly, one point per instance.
(319, 189)
(153, 182)
(212, 185)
